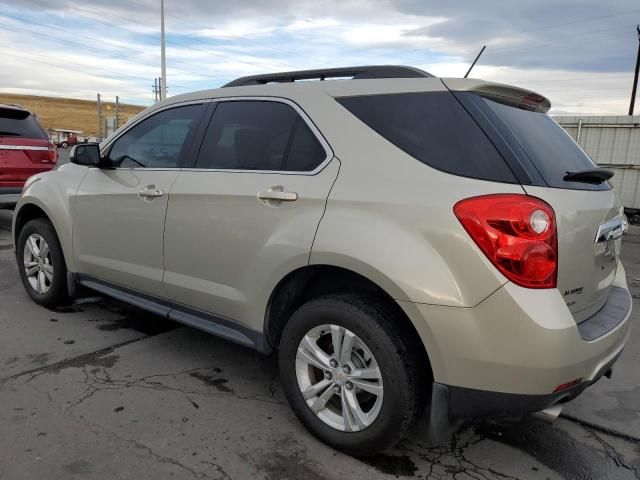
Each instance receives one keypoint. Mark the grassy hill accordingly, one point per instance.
(68, 112)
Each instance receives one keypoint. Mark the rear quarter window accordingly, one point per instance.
(18, 123)
(435, 129)
(543, 143)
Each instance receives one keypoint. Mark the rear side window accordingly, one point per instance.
(19, 123)
(305, 152)
(259, 135)
(544, 143)
(435, 129)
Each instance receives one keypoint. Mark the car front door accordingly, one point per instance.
(120, 209)
(248, 212)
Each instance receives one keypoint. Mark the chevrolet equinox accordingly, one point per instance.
(407, 243)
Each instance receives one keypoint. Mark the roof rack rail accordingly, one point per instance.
(356, 73)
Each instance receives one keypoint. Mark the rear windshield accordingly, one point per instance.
(434, 129)
(546, 145)
(18, 123)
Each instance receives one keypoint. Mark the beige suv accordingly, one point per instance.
(406, 242)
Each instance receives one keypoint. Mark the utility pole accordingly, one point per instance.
(155, 90)
(117, 112)
(163, 86)
(99, 131)
(635, 77)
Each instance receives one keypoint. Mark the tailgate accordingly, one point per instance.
(24, 147)
(22, 157)
(586, 264)
(552, 167)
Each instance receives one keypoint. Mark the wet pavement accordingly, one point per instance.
(99, 390)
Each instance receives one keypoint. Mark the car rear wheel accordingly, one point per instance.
(41, 263)
(64, 145)
(350, 373)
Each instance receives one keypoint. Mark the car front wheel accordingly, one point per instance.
(351, 374)
(41, 263)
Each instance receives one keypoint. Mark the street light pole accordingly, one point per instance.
(163, 86)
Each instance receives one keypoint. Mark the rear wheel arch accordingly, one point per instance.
(314, 281)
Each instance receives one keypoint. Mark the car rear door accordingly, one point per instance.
(120, 209)
(247, 213)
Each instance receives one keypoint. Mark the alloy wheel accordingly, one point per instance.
(339, 378)
(37, 263)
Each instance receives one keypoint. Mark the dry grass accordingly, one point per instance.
(68, 112)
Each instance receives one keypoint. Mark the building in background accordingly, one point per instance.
(613, 142)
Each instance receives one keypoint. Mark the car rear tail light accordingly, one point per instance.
(518, 235)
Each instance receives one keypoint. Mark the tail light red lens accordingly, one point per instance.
(517, 233)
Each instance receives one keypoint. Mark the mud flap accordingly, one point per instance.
(441, 426)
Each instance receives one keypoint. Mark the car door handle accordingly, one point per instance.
(277, 194)
(150, 192)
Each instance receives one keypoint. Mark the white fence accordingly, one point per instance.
(613, 142)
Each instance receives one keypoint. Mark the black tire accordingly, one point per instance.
(64, 145)
(57, 293)
(406, 379)
(635, 220)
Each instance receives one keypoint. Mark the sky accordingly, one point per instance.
(580, 54)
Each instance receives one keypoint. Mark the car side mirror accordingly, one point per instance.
(87, 154)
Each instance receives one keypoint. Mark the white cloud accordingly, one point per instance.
(112, 46)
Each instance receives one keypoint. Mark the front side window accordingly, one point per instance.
(258, 135)
(159, 141)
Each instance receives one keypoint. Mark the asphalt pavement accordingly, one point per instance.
(63, 155)
(97, 390)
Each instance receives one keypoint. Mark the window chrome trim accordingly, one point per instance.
(106, 146)
(303, 115)
(329, 154)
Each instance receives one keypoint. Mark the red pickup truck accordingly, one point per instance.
(25, 149)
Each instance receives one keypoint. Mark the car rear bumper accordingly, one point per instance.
(471, 403)
(10, 190)
(9, 196)
(520, 341)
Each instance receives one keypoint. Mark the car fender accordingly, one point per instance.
(54, 193)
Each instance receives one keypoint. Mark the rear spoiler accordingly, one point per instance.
(517, 96)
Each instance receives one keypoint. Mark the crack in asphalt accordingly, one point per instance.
(78, 361)
(452, 459)
(613, 454)
(169, 460)
(137, 444)
(97, 384)
(162, 458)
(599, 428)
